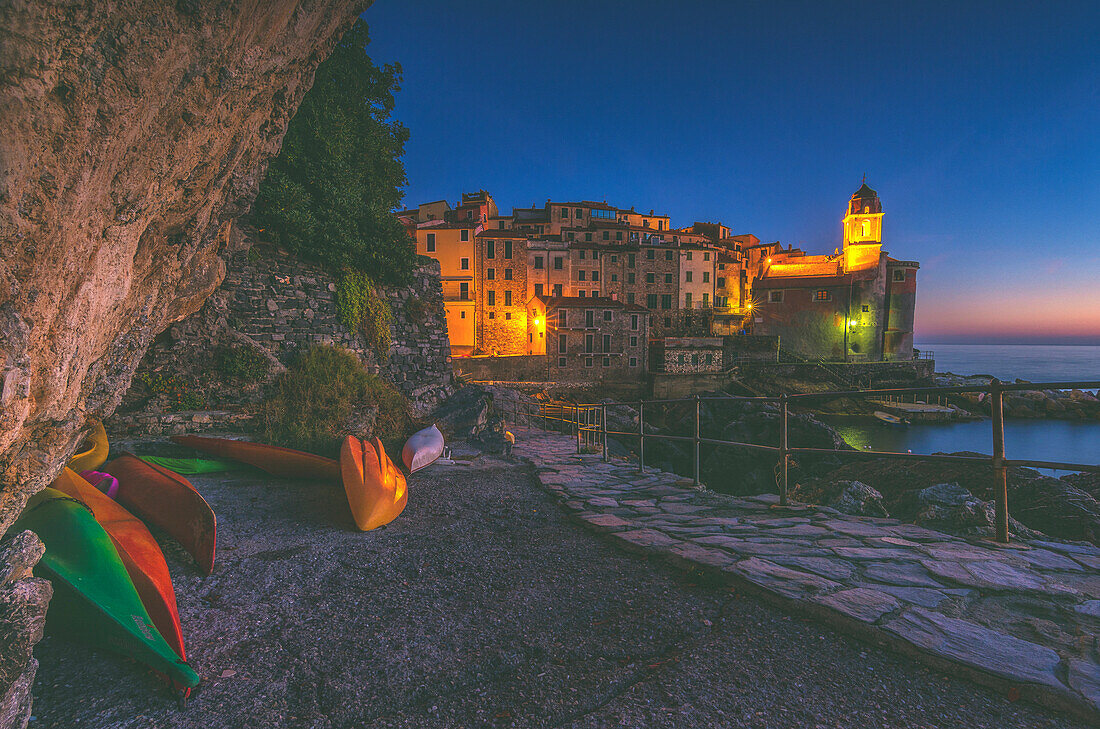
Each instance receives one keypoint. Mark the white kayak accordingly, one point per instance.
(422, 449)
(888, 418)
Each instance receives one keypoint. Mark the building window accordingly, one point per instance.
(508, 314)
(666, 301)
(500, 225)
(492, 315)
(464, 235)
(614, 277)
(557, 289)
(606, 343)
(558, 264)
(431, 242)
(775, 297)
(651, 301)
(706, 255)
(588, 237)
(822, 295)
(538, 289)
(587, 361)
(508, 249)
(561, 361)
(706, 299)
(687, 300)
(595, 275)
(595, 294)
(464, 292)
(899, 275)
(564, 213)
(668, 255)
(668, 278)
(668, 321)
(721, 282)
(688, 255)
(618, 235)
(490, 249)
(607, 235)
(562, 343)
(687, 276)
(507, 274)
(588, 339)
(561, 318)
(606, 361)
(490, 274)
(589, 318)
(706, 276)
(508, 299)
(578, 213)
(649, 254)
(569, 235)
(631, 259)
(461, 315)
(464, 264)
(650, 278)
(633, 361)
(631, 278)
(633, 341)
(582, 293)
(490, 298)
(530, 337)
(607, 314)
(866, 308)
(634, 322)
(538, 263)
(582, 254)
(595, 255)
(581, 274)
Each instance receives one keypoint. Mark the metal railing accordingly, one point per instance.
(587, 423)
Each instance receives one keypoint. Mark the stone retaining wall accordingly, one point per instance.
(275, 306)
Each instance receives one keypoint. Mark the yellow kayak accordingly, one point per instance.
(96, 455)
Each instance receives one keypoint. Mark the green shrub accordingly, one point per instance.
(330, 193)
(241, 363)
(180, 396)
(310, 404)
(361, 308)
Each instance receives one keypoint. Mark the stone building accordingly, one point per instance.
(854, 305)
(588, 338)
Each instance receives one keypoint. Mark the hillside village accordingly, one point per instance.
(608, 293)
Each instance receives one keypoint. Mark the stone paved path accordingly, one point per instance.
(1025, 617)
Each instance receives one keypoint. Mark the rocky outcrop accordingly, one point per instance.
(23, 600)
(1056, 404)
(134, 133)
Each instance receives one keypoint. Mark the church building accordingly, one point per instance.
(854, 305)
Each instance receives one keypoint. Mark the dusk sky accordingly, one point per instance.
(977, 123)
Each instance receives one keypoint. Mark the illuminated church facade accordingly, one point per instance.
(857, 304)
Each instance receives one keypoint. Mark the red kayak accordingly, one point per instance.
(278, 461)
(139, 552)
(168, 500)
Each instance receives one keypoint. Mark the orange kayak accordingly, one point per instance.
(376, 489)
(169, 501)
(139, 552)
(96, 454)
(278, 461)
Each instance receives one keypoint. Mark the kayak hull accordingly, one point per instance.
(94, 599)
(139, 552)
(169, 501)
(376, 489)
(278, 461)
(422, 449)
(96, 454)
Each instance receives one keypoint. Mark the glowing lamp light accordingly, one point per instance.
(538, 322)
(852, 322)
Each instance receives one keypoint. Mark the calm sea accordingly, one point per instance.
(1050, 440)
(1035, 362)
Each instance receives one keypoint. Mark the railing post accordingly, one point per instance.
(784, 456)
(576, 418)
(696, 479)
(603, 429)
(1000, 471)
(641, 436)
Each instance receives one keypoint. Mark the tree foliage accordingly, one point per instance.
(330, 193)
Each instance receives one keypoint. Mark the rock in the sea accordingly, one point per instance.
(465, 414)
(951, 508)
(859, 499)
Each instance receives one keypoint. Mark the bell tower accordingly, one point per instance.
(862, 230)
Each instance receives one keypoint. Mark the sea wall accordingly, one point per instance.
(270, 308)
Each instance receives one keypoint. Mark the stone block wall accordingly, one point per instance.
(278, 306)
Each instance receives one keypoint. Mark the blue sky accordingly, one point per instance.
(978, 124)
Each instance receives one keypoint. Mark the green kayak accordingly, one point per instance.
(94, 599)
(191, 466)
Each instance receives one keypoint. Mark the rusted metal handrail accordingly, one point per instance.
(589, 426)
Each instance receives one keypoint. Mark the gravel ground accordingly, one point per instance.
(482, 607)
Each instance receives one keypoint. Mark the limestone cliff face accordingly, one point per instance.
(132, 133)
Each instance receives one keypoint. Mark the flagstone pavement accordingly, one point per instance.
(1023, 617)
